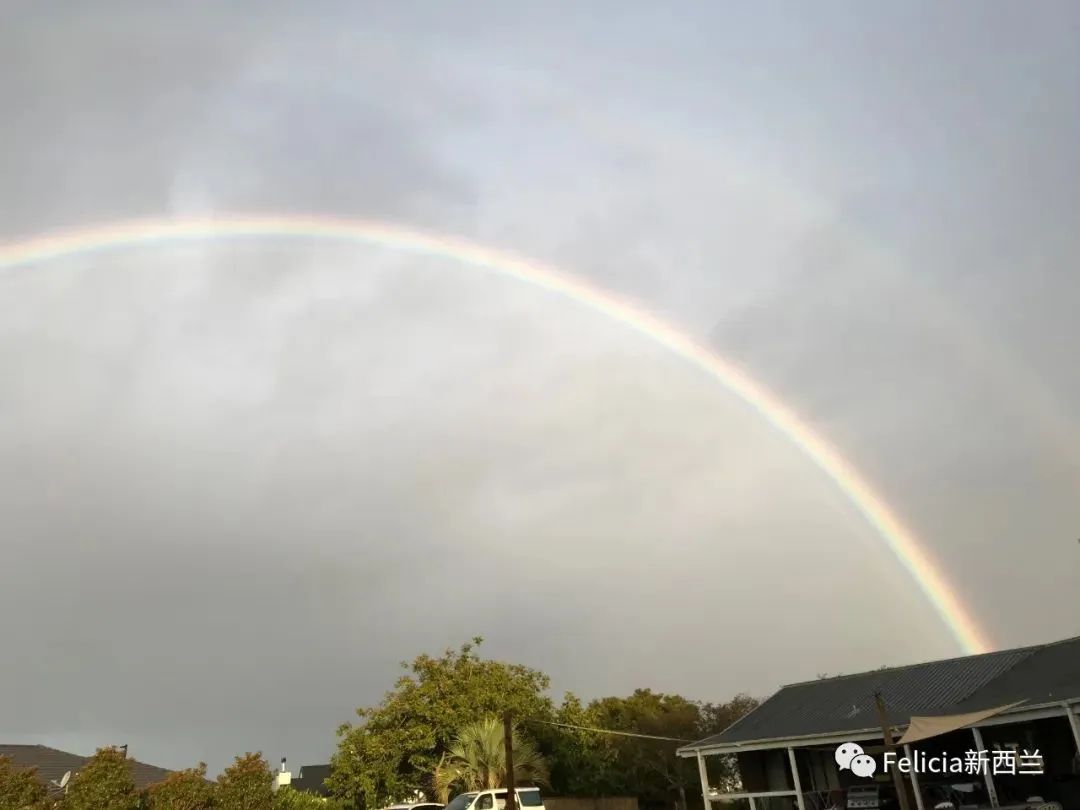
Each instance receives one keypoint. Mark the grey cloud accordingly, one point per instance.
(252, 550)
(144, 113)
(240, 482)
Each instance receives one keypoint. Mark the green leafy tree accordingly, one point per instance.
(477, 760)
(582, 762)
(715, 718)
(183, 790)
(397, 745)
(592, 763)
(19, 787)
(247, 784)
(286, 798)
(649, 768)
(103, 783)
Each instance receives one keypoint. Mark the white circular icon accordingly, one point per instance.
(845, 753)
(863, 765)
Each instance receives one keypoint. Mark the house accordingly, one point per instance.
(310, 779)
(52, 765)
(1000, 706)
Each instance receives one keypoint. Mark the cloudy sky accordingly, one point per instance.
(240, 482)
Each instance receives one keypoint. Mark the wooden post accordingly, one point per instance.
(800, 801)
(987, 774)
(1074, 724)
(914, 779)
(704, 774)
(898, 779)
(508, 741)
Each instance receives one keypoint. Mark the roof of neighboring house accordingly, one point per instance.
(312, 779)
(1041, 674)
(51, 764)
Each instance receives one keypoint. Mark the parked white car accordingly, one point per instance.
(527, 799)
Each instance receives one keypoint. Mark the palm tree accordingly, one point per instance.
(443, 779)
(477, 760)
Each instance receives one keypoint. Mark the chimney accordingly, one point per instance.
(283, 777)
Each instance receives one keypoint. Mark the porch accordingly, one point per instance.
(802, 774)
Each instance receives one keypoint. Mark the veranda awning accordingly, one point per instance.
(922, 728)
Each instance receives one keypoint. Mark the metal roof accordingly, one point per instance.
(312, 779)
(1039, 674)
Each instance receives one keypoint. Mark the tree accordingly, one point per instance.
(650, 768)
(286, 798)
(396, 746)
(247, 784)
(103, 783)
(583, 763)
(182, 790)
(19, 787)
(477, 760)
(593, 763)
(715, 718)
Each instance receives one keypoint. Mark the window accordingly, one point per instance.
(461, 802)
(485, 802)
(527, 797)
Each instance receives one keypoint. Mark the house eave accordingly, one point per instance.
(1019, 714)
(778, 742)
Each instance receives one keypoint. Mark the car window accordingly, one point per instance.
(529, 797)
(461, 802)
(485, 802)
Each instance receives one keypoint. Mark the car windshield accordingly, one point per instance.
(461, 802)
(530, 798)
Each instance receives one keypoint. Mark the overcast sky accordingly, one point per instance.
(240, 483)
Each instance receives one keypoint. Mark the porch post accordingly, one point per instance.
(704, 774)
(795, 779)
(1074, 724)
(989, 777)
(914, 779)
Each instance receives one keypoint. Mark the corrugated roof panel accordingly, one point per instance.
(846, 703)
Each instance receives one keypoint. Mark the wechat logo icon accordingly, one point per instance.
(850, 756)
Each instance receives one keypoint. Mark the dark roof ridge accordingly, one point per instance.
(842, 704)
(34, 745)
(1028, 649)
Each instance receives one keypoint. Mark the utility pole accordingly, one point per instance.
(898, 780)
(508, 741)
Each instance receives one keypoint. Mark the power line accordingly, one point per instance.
(612, 731)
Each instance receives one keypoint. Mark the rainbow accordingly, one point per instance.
(901, 541)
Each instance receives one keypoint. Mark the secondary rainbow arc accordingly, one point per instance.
(900, 540)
